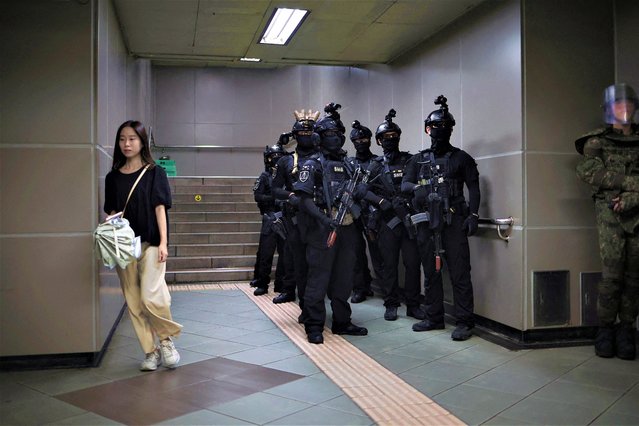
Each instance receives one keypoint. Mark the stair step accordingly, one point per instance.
(200, 227)
(209, 275)
(215, 237)
(176, 181)
(249, 216)
(180, 250)
(215, 207)
(218, 189)
(225, 261)
(213, 197)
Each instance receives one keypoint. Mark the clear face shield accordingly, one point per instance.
(620, 104)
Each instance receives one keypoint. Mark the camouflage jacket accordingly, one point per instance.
(610, 164)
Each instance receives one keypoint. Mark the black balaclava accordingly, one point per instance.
(389, 144)
(441, 124)
(331, 131)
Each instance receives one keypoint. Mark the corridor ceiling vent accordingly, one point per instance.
(282, 25)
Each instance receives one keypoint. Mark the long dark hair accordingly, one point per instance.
(118, 158)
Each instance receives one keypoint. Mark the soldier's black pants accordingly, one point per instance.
(330, 273)
(294, 261)
(393, 241)
(457, 255)
(269, 242)
(362, 275)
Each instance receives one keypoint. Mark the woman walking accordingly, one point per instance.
(145, 290)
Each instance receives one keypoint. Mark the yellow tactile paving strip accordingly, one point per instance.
(383, 396)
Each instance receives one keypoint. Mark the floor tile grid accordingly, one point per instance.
(405, 405)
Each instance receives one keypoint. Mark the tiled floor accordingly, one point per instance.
(244, 362)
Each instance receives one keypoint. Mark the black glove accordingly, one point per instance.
(398, 203)
(330, 223)
(470, 225)
(294, 200)
(360, 191)
(385, 205)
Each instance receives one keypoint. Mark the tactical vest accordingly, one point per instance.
(390, 176)
(435, 176)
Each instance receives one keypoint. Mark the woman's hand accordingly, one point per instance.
(163, 252)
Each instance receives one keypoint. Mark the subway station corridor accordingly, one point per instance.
(246, 361)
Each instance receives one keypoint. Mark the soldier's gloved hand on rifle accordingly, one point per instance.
(330, 223)
(360, 191)
(385, 205)
(470, 225)
(399, 204)
(294, 200)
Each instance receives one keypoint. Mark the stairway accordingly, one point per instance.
(214, 227)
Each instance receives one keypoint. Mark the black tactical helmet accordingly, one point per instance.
(330, 121)
(360, 132)
(440, 117)
(387, 126)
(272, 154)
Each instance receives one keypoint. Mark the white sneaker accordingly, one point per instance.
(170, 355)
(151, 361)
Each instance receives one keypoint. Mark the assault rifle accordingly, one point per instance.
(437, 205)
(346, 201)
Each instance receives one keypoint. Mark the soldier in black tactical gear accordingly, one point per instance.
(395, 233)
(610, 165)
(436, 177)
(286, 174)
(320, 188)
(361, 138)
(272, 232)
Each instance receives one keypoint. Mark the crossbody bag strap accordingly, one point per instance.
(133, 187)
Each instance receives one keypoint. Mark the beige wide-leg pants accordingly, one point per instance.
(148, 298)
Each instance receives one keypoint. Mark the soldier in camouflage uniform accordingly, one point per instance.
(610, 165)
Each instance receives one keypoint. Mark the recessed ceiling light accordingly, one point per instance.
(250, 59)
(282, 25)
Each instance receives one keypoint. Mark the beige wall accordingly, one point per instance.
(62, 100)
(569, 60)
(47, 195)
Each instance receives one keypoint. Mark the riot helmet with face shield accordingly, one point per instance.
(620, 104)
(361, 138)
(388, 133)
(331, 129)
(303, 129)
(440, 123)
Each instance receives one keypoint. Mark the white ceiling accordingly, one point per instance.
(336, 32)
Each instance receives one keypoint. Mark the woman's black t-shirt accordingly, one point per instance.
(152, 190)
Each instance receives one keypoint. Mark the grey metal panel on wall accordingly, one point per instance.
(551, 298)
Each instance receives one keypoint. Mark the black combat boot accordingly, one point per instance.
(625, 342)
(260, 291)
(358, 296)
(605, 342)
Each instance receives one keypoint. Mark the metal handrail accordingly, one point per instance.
(505, 221)
(205, 147)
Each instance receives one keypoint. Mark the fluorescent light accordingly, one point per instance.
(283, 23)
(250, 59)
